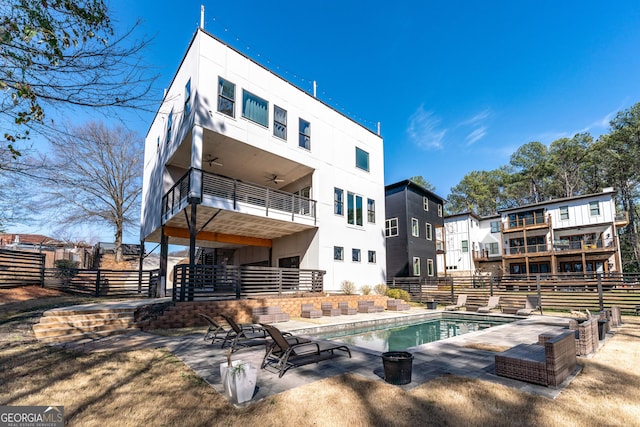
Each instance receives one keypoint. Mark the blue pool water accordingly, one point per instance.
(398, 338)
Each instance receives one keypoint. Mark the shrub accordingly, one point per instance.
(380, 289)
(348, 287)
(399, 294)
(365, 289)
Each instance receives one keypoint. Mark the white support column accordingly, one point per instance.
(195, 189)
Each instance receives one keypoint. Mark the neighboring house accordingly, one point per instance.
(570, 235)
(53, 250)
(260, 173)
(413, 228)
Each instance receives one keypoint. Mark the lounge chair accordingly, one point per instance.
(284, 354)
(531, 304)
(215, 331)
(243, 335)
(462, 302)
(494, 302)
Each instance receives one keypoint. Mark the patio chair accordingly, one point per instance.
(494, 302)
(215, 330)
(329, 310)
(307, 311)
(462, 302)
(531, 304)
(243, 336)
(284, 354)
(345, 309)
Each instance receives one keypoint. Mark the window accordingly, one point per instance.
(429, 231)
(465, 246)
(226, 97)
(416, 266)
(169, 125)
(354, 209)
(338, 253)
(415, 228)
(493, 248)
(440, 211)
(495, 226)
(362, 159)
(338, 202)
(371, 211)
(391, 227)
(304, 134)
(425, 203)
(594, 208)
(430, 267)
(564, 212)
(355, 255)
(372, 257)
(279, 122)
(255, 109)
(187, 98)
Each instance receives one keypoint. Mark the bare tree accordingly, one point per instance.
(64, 53)
(94, 173)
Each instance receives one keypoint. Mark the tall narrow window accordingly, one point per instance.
(355, 255)
(304, 134)
(338, 202)
(495, 226)
(338, 253)
(429, 267)
(465, 246)
(354, 209)
(371, 211)
(372, 257)
(255, 108)
(429, 231)
(362, 159)
(187, 98)
(440, 211)
(594, 208)
(416, 266)
(425, 203)
(415, 228)
(226, 97)
(169, 125)
(391, 227)
(279, 122)
(564, 212)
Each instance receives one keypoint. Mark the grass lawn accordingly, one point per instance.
(152, 387)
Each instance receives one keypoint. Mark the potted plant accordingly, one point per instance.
(239, 379)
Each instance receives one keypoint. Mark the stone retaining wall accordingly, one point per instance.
(185, 314)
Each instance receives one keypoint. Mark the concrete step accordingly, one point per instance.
(62, 329)
(85, 336)
(49, 318)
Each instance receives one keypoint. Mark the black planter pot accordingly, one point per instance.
(397, 367)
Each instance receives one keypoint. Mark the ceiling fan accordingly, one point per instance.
(213, 160)
(274, 178)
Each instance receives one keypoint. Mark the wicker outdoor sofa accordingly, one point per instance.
(548, 363)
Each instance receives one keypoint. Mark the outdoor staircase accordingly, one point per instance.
(69, 326)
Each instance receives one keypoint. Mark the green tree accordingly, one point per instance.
(63, 53)
(421, 181)
(566, 161)
(532, 171)
(479, 192)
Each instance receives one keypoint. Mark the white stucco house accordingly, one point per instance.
(258, 172)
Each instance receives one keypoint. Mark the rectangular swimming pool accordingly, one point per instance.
(397, 338)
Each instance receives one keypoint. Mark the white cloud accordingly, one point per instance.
(476, 135)
(478, 118)
(602, 123)
(424, 129)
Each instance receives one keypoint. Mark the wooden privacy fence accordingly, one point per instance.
(220, 281)
(110, 283)
(20, 268)
(557, 293)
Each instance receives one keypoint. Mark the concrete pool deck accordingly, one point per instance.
(461, 355)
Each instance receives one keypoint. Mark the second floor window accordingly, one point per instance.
(425, 203)
(355, 255)
(338, 202)
(594, 208)
(429, 231)
(440, 211)
(226, 97)
(495, 226)
(255, 108)
(371, 211)
(493, 248)
(564, 212)
(415, 228)
(354, 209)
(304, 134)
(338, 253)
(362, 159)
(465, 246)
(279, 122)
(391, 227)
(372, 257)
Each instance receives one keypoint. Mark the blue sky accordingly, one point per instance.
(457, 86)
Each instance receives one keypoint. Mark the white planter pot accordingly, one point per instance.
(239, 384)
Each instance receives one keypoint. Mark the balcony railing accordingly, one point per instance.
(563, 246)
(234, 192)
(535, 221)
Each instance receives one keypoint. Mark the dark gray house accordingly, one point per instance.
(413, 229)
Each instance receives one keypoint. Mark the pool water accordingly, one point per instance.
(398, 338)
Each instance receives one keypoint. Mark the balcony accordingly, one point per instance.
(622, 219)
(485, 255)
(534, 222)
(564, 247)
